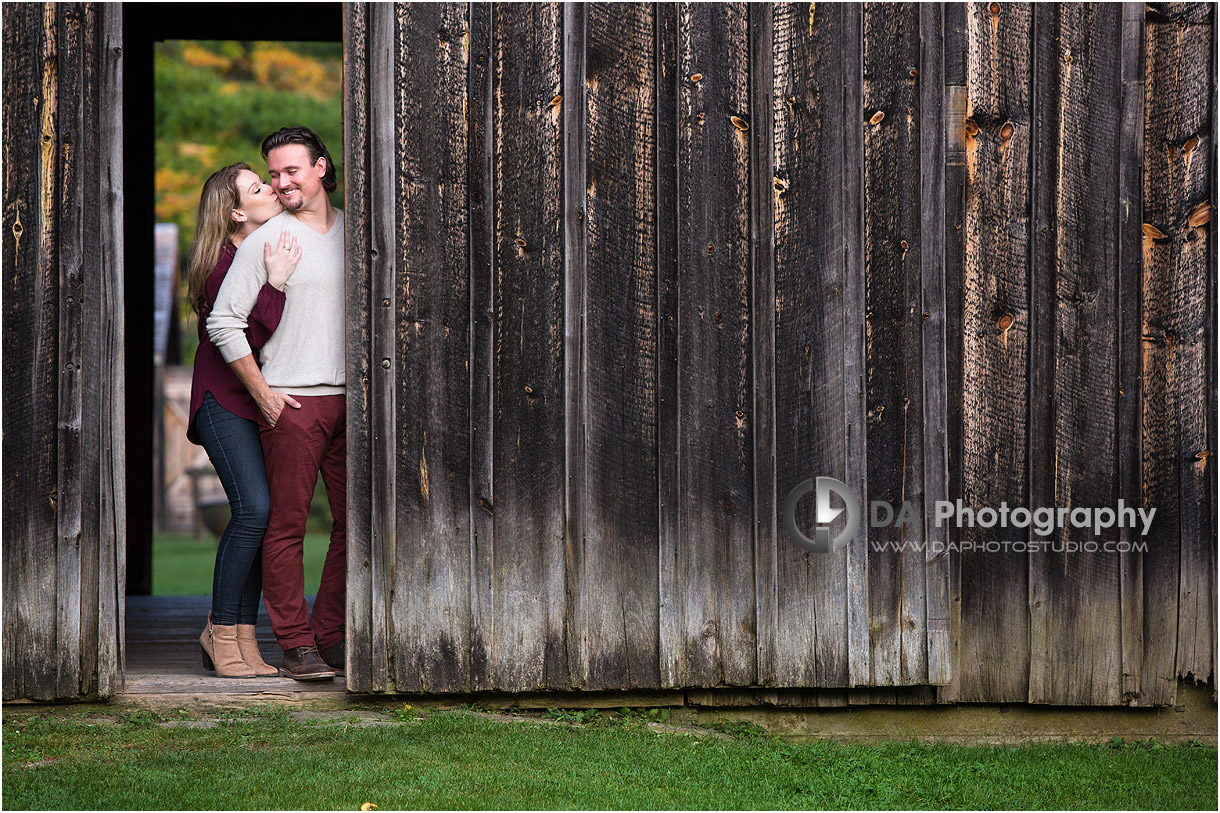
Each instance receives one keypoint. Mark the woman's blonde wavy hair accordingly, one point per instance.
(214, 228)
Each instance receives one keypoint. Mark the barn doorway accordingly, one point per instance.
(168, 549)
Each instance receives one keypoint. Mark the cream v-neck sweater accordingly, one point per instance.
(305, 355)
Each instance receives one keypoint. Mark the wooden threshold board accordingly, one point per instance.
(163, 652)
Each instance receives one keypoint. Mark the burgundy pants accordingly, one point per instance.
(303, 442)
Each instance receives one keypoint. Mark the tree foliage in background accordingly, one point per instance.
(217, 100)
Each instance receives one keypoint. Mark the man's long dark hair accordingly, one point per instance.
(308, 139)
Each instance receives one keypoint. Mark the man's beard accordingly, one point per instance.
(295, 204)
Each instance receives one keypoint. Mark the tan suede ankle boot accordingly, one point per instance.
(247, 644)
(226, 657)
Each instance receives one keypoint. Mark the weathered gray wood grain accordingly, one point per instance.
(481, 201)
(106, 338)
(671, 644)
(954, 248)
(576, 358)
(994, 661)
(357, 240)
(1177, 46)
(715, 399)
(31, 334)
(762, 317)
(529, 596)
(1074, 596)
(810, 594)
(1130, 257)
(855, 401)
(891, 123)
(619, 580)
(70, 547)
(430, 607)
(934, 127)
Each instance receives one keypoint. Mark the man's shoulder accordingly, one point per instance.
(269, 232)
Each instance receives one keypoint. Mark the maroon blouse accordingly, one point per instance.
(211, 373)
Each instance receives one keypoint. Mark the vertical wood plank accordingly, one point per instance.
(854, 346)
(955, 198)
(528, 582)
(576, 357)
(1074, 596)
(383, 289)
(107, 338)
(995, 316)
(1192, 124)
(31, 334)
(71, 141)
(357, 247)
(481, 220)
(1128, 236)
(93, 363)
(620, 575)
(762, 318)
(891, 123)
(1195, 334)
(1213, 365)
(933, 205)
(430, 608)
(715, 400)
(810, 592)
(671, 644)
(1176, 125)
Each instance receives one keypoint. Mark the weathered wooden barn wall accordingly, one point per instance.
(622, 275)
(64, 504)
(604, 315)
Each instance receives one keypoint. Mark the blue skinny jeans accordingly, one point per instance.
(233, 445)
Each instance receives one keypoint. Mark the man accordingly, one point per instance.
(300, 396)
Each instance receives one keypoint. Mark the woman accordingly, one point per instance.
(234, 203)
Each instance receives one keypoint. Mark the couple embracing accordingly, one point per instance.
(266, 275)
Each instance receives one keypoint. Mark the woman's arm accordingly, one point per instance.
(269, 308)
(265, 317)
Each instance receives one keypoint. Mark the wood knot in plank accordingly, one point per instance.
(1153, 232)
(994, 8)
(558, 100)
(740, 123)
(1004, 323)
(972, 129)
(1006, 131)
(877, 117)
(696, 77)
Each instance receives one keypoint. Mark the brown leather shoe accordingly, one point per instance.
(303, 663)
(335, 657)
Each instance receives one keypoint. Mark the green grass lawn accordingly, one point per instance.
(183, 565)
(458, 760)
